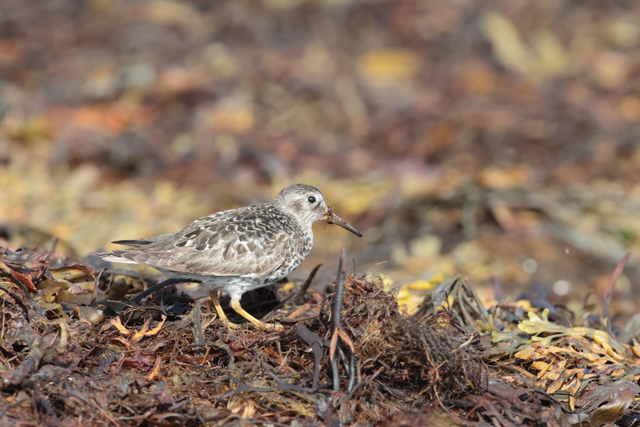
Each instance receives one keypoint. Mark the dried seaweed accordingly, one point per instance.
(371, 364)
(430, 355)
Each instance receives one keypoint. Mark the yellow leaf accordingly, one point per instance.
(506, 41)
(424, 285)
(119, 326)
(525, 304)
(552, 58)
(384, 65)
(144, 332)
(288, 286)
(540, 366)
(494, 177)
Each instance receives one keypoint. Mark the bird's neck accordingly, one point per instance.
(306, 225)
(304, 219)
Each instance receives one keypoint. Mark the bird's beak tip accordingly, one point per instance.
(332, 218)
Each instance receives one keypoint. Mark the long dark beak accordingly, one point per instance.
(332, 218)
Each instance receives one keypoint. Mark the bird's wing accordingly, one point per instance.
(240, 242)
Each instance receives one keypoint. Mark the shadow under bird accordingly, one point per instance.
(238, 250)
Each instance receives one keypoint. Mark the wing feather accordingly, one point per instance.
(229, 243)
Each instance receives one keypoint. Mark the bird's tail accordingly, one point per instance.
(140, 242)
(115, 256)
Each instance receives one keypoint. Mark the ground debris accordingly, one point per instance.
(430, 355)
(371, 365)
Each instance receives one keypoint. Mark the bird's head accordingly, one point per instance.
(307, 205)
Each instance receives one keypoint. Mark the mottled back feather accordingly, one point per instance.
(239, 242)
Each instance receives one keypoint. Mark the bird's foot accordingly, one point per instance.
(270, 327)
(223, 317)
(235, 304)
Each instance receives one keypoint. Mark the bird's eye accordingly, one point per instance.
(311, 199)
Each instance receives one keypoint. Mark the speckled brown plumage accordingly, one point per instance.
(241, 249)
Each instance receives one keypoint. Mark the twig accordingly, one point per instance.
(497, 288)
(339, 337)
(36, 306)
(303, 289)
(281, 385)
(19, 301)
(606, 303)
(22, 285)
(15, 377)
(372, 267)
(104, 413)
(94, 294)
(197, 323)
(316, 343)
(338, 297)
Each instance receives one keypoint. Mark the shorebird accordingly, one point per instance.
(238, 250)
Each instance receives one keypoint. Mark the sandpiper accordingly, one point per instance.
(238, 250)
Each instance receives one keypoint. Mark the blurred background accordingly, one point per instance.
(470, 137)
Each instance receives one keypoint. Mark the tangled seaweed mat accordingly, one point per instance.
(64, 364)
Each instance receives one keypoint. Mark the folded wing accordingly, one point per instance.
(230, 243)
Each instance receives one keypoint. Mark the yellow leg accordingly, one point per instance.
(218, 307)
(235, 304)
